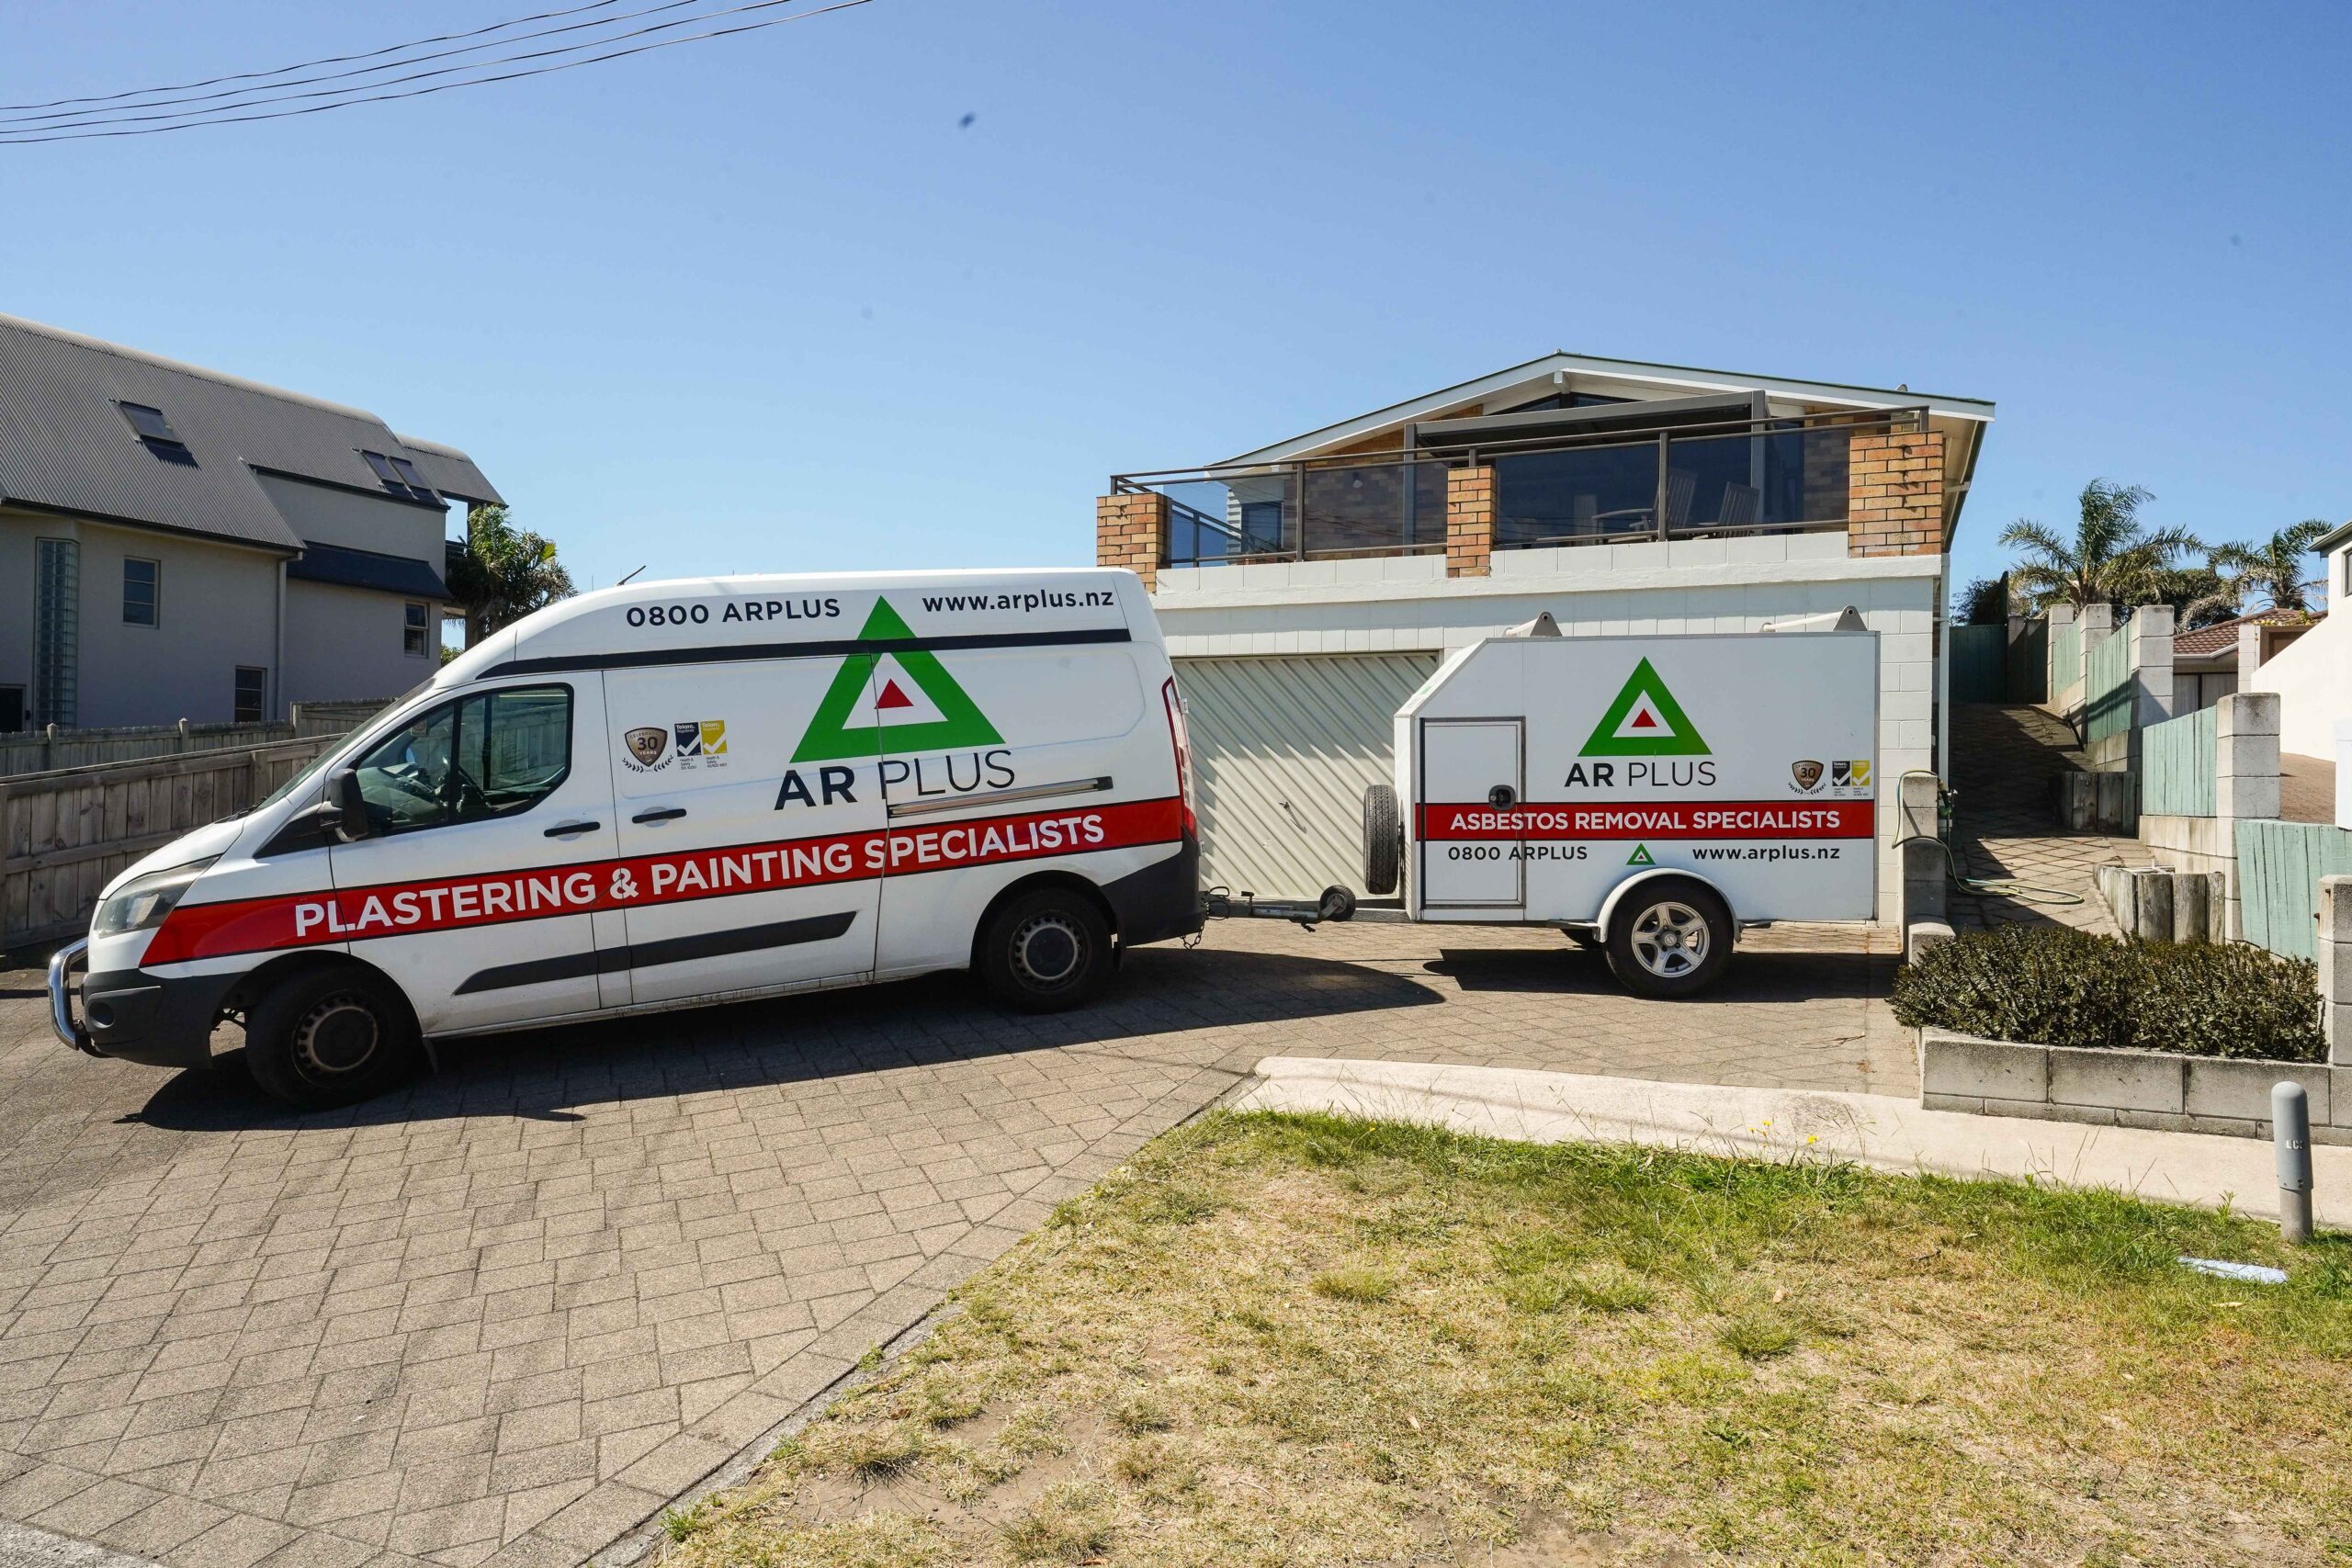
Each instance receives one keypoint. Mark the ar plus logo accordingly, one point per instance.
(891, 701)
(1645, 720)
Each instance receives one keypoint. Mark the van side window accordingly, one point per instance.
(485, 756)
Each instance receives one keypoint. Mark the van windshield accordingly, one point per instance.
(297, 784)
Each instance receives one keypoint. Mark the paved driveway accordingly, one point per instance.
(510, 1313)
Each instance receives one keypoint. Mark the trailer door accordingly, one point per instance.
(1473, 779)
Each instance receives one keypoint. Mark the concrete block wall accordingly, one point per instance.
(2124, 1088)
(2245, 756)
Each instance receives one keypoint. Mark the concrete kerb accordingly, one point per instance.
(1876, 1131)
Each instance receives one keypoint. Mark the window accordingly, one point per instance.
(252, 685)
(480, 757)
(156, 433)
(413, 627)
(12, 709)
(143, 583)
(400, 477)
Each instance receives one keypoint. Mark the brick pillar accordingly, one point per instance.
(2334, 953)
(2152, 698)
(1469, 520)
(1894, 493)
(1131, 530)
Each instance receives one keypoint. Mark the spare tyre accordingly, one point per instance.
(1384, 840)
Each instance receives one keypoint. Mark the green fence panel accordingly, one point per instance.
(2176, 766)
(1980, 656)
(2280, 865)
(2106, 688)
(2065, 657)
(2030, 663)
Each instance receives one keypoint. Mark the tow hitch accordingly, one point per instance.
(1336, 903)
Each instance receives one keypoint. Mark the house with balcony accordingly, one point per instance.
(1308, 586)
(179, 543)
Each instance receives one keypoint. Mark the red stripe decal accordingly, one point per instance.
(1662, 819)
(308, 920)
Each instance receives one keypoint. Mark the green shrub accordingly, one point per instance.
(2055, 987)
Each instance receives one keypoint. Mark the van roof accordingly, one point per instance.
(768, 613)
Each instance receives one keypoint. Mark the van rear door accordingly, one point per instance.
(754, 849)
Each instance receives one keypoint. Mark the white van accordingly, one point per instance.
(1647, 795)
(674, 792)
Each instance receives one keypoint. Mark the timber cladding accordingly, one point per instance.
(65, 835)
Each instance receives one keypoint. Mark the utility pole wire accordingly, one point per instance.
(67, 118)
(306, 65)
(79, 134)
(116, 116)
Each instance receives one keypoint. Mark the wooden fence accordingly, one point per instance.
(53, 749)
(2280, 865)
(65, 835)
(2176, 770)
(2108, 688)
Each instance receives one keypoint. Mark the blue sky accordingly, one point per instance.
(765, 304)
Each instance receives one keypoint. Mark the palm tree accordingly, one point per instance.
(2112, 558)
(2274, 568)
(504, 574)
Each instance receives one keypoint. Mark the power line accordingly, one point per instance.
(99, 116)
(85, 134)
(120, 115)
(328, 60)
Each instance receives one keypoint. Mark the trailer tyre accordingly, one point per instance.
(1671, 937)
(1384, 840)
(1046, 951)
(332, 1037)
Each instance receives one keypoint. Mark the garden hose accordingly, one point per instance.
(1979, 886)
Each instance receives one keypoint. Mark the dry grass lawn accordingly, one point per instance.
(1287, 1340)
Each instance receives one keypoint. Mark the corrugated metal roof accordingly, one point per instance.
(367, 568)
(450, 471)
(64, 444)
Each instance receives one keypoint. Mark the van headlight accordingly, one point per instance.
(142, 903)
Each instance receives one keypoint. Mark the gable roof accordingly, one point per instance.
(1666, 378)
(2222, 637)
(66, 446)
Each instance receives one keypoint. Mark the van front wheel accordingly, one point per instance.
(1671, 937)
(1046, 951)
(329, 1038)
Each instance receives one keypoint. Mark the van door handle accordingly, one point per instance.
(661, 814)
(566, 829)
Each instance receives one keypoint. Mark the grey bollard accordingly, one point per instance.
(2291, 1128)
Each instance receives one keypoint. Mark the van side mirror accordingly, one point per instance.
(343, 814)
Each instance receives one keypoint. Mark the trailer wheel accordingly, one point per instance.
(1384, 840)
(325, 1038)
(1671, 937)
(1046, 951)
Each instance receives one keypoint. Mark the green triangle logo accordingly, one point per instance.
(1644, 721)
(830, 737)
(1641, 856)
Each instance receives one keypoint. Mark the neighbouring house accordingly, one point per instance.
(2206, 661)
(178, 543)
(1308, 586)
(2312, 674)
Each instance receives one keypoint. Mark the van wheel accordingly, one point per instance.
(1384, 840)
(328, 1038)
(1046, 951)
(1670, 938)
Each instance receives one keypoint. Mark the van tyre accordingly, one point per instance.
(1046, 951)
(326, 1038)
(1670, 937)
(1384, 840)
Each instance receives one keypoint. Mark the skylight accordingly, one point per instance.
(156, 433)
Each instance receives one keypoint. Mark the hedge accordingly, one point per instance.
(2050, 985)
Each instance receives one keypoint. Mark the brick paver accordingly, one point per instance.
(2004, 822)
(508, 1314)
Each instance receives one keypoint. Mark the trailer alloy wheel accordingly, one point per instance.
(330, 1037)
(1669, 938)
(1384, 840)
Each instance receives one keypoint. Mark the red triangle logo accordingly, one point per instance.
(1644, 720)
(892, 698)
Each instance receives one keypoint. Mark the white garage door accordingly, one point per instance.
(1283, 749)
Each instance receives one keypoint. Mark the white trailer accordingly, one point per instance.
(1647, 795)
